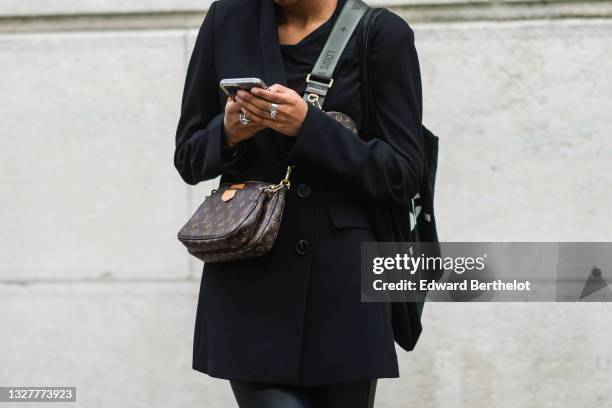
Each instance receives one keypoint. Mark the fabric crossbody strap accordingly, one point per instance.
(321, 79)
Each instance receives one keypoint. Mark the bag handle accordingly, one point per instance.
(341, 32)
(367, 103)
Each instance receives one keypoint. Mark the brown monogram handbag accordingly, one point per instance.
(236, 221)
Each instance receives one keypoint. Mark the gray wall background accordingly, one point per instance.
(96, 292)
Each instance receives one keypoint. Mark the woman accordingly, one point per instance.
(288, 329)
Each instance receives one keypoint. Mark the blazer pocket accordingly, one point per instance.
(348, 216)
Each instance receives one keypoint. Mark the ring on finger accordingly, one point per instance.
(243, 119)
(273, 110)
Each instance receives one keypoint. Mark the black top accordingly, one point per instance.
(300, 58)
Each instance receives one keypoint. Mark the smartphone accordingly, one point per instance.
(231, 85)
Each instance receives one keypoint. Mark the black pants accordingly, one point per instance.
(356, 394)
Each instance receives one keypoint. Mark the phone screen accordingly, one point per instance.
(232, 90)
(232, 85)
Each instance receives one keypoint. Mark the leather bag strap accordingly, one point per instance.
(368, 113)
(321, 79)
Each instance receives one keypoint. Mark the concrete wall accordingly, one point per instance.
(96, 292)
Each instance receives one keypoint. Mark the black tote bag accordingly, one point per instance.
(414, 223)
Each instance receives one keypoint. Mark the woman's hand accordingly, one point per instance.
(234, 130)
(291, 110)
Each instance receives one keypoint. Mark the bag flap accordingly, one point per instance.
(226, 211)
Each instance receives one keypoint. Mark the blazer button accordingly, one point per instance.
(302, 247)
(303, 190)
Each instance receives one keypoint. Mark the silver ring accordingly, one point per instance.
(243, 119)
(273, 110)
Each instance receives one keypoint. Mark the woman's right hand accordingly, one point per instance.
(235, 131)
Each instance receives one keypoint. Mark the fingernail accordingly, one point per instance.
(255, 90)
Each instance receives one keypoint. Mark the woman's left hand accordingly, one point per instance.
(291, 110)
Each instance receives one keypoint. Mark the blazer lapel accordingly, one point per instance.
(273, 66)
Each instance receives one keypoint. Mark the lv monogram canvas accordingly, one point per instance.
(237, 221)
(344, 120)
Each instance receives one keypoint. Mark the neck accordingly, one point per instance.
(302, 13)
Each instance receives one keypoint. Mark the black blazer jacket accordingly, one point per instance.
(294, 315)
